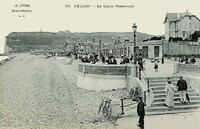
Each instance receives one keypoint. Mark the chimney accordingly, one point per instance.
(178, 15)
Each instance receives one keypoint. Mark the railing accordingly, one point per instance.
(139, 72)
(129, 106)
(122, 105)
(189, 68)
(103, 69)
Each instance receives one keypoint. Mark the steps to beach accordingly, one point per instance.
(157, 84)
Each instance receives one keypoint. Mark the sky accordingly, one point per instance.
(53, 15)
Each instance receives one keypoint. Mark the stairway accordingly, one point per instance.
(157, 84)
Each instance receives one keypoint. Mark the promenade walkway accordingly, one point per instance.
(170, 121)
(164, 70)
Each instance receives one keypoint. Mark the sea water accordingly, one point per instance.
(3, 57)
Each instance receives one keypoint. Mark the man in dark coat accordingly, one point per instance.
(192, 60)
(140, 112)
(182, 88)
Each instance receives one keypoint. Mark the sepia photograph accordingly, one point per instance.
(99, 64)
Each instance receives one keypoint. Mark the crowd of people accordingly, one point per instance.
(110, 59)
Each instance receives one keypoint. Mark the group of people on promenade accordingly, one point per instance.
(181, 87)
(185, 59)
(109, 59)
(98, 59)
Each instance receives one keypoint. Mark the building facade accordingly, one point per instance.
(181, 25)
(148, 49)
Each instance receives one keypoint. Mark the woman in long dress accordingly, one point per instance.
(169, 89)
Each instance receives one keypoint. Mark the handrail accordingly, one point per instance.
(147, 81)
(145, 76)
(144, 93)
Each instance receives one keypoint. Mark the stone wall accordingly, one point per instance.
(180, 48)
(105, 77)
(193, 81)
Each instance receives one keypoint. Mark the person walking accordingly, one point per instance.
(140, 63)
(140, 112)
(169, 89)
(156, 65)
(182, 88)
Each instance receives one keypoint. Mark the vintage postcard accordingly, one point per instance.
(99, 64)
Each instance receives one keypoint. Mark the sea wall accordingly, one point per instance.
(104, 77)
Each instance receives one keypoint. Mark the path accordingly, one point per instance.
(171, 121)
(165, 69)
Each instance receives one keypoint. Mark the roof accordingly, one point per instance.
(171, 17)
(177, 16)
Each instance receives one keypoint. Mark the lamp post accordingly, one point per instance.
(134, 35)
(162, 52)
(100, 37)
(124, 49)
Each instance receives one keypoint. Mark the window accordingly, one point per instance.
(169, 33)
(176, 34)
(194, 25)
(170, 25)
(183, 34)
(183, 25)
(176, 25)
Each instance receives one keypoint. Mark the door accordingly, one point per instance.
(145, 51)
(156, 51)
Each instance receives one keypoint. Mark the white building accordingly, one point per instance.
(181, 25)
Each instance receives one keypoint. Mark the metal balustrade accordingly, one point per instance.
(189, 68)
(104, 69)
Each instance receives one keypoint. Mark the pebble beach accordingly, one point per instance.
(41, 93)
